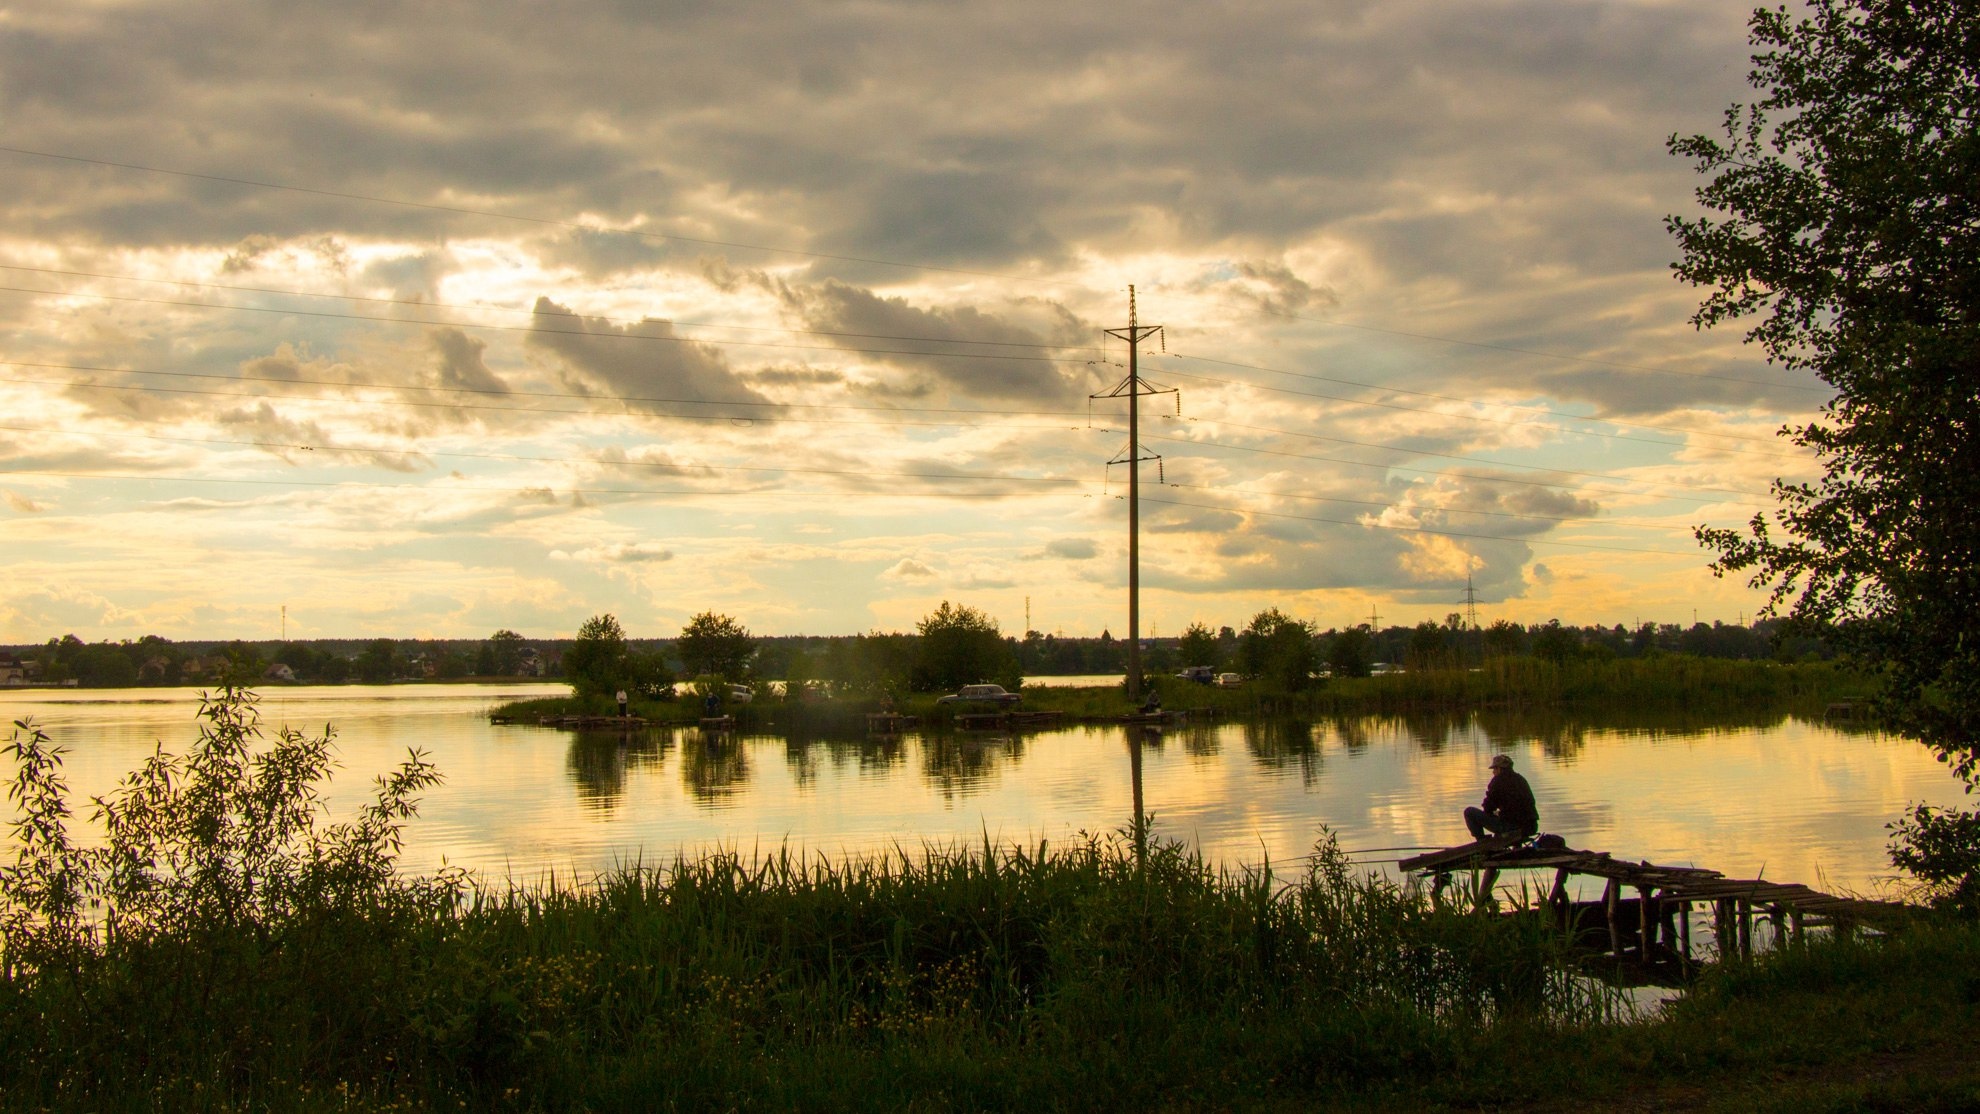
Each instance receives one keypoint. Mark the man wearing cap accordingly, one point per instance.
(1508, 808)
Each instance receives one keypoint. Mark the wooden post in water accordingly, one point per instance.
(1558, 899)
(1609, 899)
(1722, 929)
(1794, 920)
(1483, 900)
(1645, 923)
(1684, 930)
(1745, 929)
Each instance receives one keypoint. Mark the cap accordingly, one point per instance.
(1502, 761)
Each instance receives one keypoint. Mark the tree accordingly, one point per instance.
(715, 645)
(1850, 234)
(960, 645)
(1351, 653)
(1199, 647)
(378, 662)
(595, 665)
(1279, 649)
(504, 649)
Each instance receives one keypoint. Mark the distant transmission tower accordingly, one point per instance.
(1471, 609)
(1132, 388)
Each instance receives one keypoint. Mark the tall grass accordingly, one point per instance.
(225, 947)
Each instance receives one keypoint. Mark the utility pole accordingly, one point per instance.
(1133, 388)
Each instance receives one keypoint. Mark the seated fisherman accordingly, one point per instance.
(1508, 808)
(1152, 704)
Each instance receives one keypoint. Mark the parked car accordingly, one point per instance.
(1229, 681)
(981, 694)
(741, 694)
(1201, 674)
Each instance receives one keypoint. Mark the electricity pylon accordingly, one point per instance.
(1132, 388)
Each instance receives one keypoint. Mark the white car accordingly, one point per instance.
(741, 694)
(981, 694)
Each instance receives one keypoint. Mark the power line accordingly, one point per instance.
(374, 450)
(1457, 399)
(463, 210)
(677, 323)
(692, 492)
(425, 303)
(1465, 475)
(538, 330)
(507, 392)
(1518, 351)
(1420, 529)
(905, 265)
(1395, 506)
(1481, 418)
(790, 420)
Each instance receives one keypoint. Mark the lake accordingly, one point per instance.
(1778, 797)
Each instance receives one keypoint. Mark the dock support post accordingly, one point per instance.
(1794, 922)
(1646, 923)
(1558, 899)
(1745, 929)
(1684, 930)
(1609, 900)
(1483, 900)
(1722, 929)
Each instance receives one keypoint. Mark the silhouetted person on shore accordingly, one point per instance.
(1508, 808)
(1152, 704)
(622, 703)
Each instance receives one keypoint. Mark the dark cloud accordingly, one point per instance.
(994, 355)
(1072, 549)
(645, 360)
(461, 365)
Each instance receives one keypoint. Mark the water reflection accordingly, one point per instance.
(599, 762)
(956, 765)
(519, 800)
(1285, 745)
(714, 767)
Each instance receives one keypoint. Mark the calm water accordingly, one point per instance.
(1786, 799)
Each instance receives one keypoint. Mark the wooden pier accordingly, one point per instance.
(1156, 719)
(889, 723)
(1007, 720)
(1654, 927)
(588, 723)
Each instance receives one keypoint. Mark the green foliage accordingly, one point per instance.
(959, 645)
(595, 664)
(213, 919)
(715, 645)
(1198, 646)
(1280, 650)
(1941, 848)
(1851, 231)
(378, 662)
(1351, 653)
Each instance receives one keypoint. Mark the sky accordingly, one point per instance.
(428, 320)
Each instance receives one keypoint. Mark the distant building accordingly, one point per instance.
(13, 671)
(279, 672)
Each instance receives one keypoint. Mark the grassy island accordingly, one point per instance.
(1657, 686)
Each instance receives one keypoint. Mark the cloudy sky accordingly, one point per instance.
(425, 320)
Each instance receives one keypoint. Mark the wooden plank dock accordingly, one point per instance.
(889, 723)
(1007, 720)
(1654, 927)
(588, 723)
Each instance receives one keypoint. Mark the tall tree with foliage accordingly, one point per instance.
(1280, 649)
(1198, 646)
(595, 665)
(1848, 230)
(714, 645)
(960, 645)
